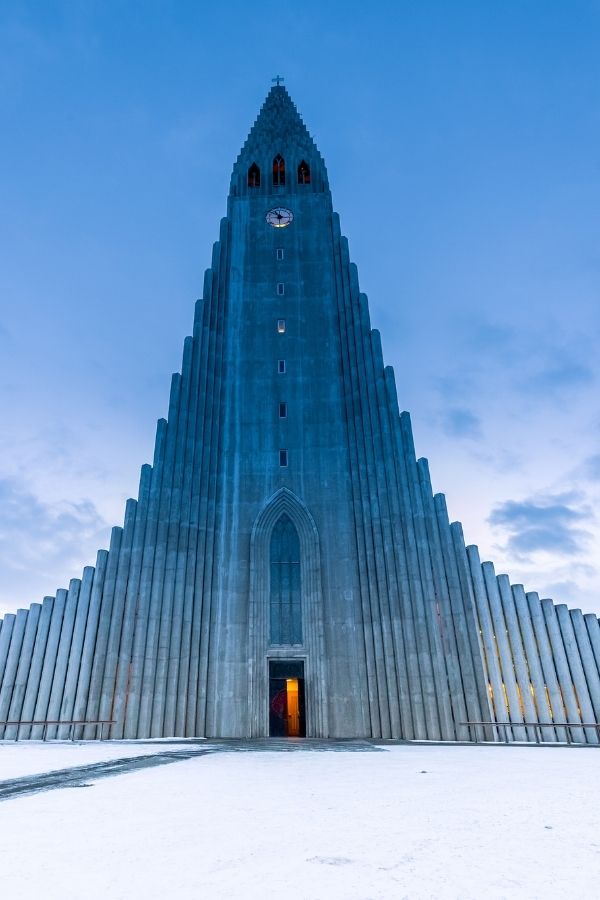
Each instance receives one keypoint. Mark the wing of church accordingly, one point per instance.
(286, 568)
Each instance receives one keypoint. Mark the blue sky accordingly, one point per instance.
(463, 147)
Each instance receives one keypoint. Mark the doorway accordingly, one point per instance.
(286, 698)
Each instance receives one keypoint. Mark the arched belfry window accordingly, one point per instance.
(285, 595)
(278, 170)
(303, 173)
(253, 176)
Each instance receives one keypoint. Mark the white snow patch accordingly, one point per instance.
(19, 758)
(409, 822)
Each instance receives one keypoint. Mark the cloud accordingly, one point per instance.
(550, 524)
(460, 422)
(37, 538)
(488, 336)
(591, 467)
(565, 375)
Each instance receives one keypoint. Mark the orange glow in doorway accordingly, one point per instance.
(293, 707)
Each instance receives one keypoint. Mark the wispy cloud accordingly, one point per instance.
(591, 467)
(551, 524)
(461, 423)
(563, 376)
(38, 538)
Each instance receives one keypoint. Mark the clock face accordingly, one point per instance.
(279, 217)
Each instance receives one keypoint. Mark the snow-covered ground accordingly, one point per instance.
(407, 822)
(32, 757)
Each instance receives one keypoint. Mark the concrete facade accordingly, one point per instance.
(284, 407)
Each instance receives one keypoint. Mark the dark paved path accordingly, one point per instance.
(79, 776)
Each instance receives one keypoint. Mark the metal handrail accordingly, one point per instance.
(535, 725)
(71, 722)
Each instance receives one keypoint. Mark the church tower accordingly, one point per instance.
(286, 569)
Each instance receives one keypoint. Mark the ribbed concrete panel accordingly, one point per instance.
(13, 659)
(35, 670)
(532, 655)
(8, 623)
(588, 663)
(544, 651)
(22, 673)
(517, 652)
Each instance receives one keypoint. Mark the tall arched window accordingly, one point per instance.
(278, 170)
(285, 600)
(303, 173)
(253, 176)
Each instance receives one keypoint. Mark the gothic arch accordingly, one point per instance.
(303, 173)
(254, 176)
(278, 170)
(312, 649)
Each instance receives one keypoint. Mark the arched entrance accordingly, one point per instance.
(287, 651)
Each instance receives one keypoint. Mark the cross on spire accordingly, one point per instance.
(278, 79)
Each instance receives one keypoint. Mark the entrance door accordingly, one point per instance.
(286, 698)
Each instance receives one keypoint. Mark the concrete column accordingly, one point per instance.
(190, 602)
(147, 696)
(12, 664)
(145, 612)
(517, 652)
(534, 665)
(89, 643)
(578, 680)
(179, 647)
(431, 664)
(562, 668)
(213, 644)
(92, 712)
(351, 392)
(380, 711)
(131, 603)
(385, 550)
(35, 670)
(198, 674)
(400, 599)
(20, 683)
(440, 611)
(473, 632)
(593, 629)
(62, 657)
(170, 632)
(8, 623)
(195, 603)
(592, 675)
(40, 712)
(378, 587)
(74, 662)
(461, 620)
(547, 662)
(492, 660)
(110, 670)
(504, 650)
(421, 679)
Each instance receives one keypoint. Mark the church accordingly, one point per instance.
(286, 569)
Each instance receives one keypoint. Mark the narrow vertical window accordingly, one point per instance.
(283, 458)
(278, 170)
(303, 173)
(279, 253)
(283, 410)
(281, 366)
(286, 584)
(281, 289)
(253, 176)
(281, 325)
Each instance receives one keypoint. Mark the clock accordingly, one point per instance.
(279, 217)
